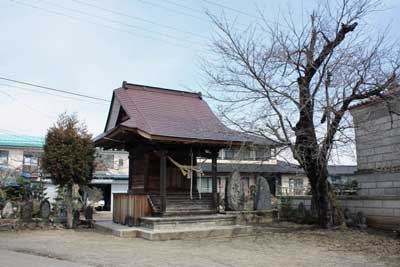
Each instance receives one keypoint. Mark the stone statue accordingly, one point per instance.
(263, 194)
(45, 210)
(235, 193)
(8, 211)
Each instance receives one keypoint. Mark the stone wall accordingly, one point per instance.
(377, 133)
(381, 211)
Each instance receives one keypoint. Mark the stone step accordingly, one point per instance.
(189, 202)
(192, 207)
(187, 213)
(186, 222)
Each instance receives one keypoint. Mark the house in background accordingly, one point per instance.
(23, 153)
(285, 179)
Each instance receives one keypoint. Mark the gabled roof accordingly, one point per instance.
(10, 140)
(156, 112)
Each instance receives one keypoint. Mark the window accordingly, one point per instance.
(31, 162)
(245, 154)
(229, 153)
(240, 154)
(296, 186)
(3, 157)
(107, 160)
(262, 153)
(206, 185)
(220, 154)
(120, 162)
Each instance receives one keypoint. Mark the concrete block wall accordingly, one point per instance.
(377, 133)
(378, 184)
(381, 212)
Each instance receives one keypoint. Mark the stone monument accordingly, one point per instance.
(263, 194)
(235, 193)
(45, 210)
(26, 210)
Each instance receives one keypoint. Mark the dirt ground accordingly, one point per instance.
(288, 246)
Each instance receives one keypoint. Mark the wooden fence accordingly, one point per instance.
(128, 208)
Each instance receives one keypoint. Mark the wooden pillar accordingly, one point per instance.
(137, 167)
(214, 156)
(131, 171)
(146, 167)
(163, 181)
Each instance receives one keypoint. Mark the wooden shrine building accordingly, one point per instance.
(165, 132)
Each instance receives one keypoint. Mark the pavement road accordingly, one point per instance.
(16, 259)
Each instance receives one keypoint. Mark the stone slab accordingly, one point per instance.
(187, 222)
(161, 235)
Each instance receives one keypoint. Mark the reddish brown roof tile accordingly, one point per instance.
(178, 114)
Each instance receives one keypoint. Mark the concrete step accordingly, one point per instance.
(186, 222)
(163, 235)
(191, 207)
(190, 234)
(187, 213)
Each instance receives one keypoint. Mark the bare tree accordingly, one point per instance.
(296, 82)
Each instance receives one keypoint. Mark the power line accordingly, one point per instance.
(193, 10)
(118, 22)
(46, 93)
(54, 89)
(28, 106)
(171, 9)
(99, 24)
(252, 16)
(183, 6)
(232, 9)
(138, 18)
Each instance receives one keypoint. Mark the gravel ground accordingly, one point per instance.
(288, 246)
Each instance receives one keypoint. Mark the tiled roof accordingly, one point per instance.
(10, 140)
(177, 114)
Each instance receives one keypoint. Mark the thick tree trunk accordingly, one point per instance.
(322, 202)
(68, 200)
(312, 160)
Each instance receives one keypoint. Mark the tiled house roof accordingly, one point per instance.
(10, 140)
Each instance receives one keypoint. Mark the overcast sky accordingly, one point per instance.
(71, 46)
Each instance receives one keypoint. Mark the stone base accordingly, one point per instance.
(162, 235)
(187, 222)
(253, 217)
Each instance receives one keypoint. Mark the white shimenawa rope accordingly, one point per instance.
(188, 172)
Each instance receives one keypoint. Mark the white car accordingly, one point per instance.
(98, 204)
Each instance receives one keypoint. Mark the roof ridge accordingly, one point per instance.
(127, 85)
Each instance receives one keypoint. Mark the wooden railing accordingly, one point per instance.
(128, 208)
